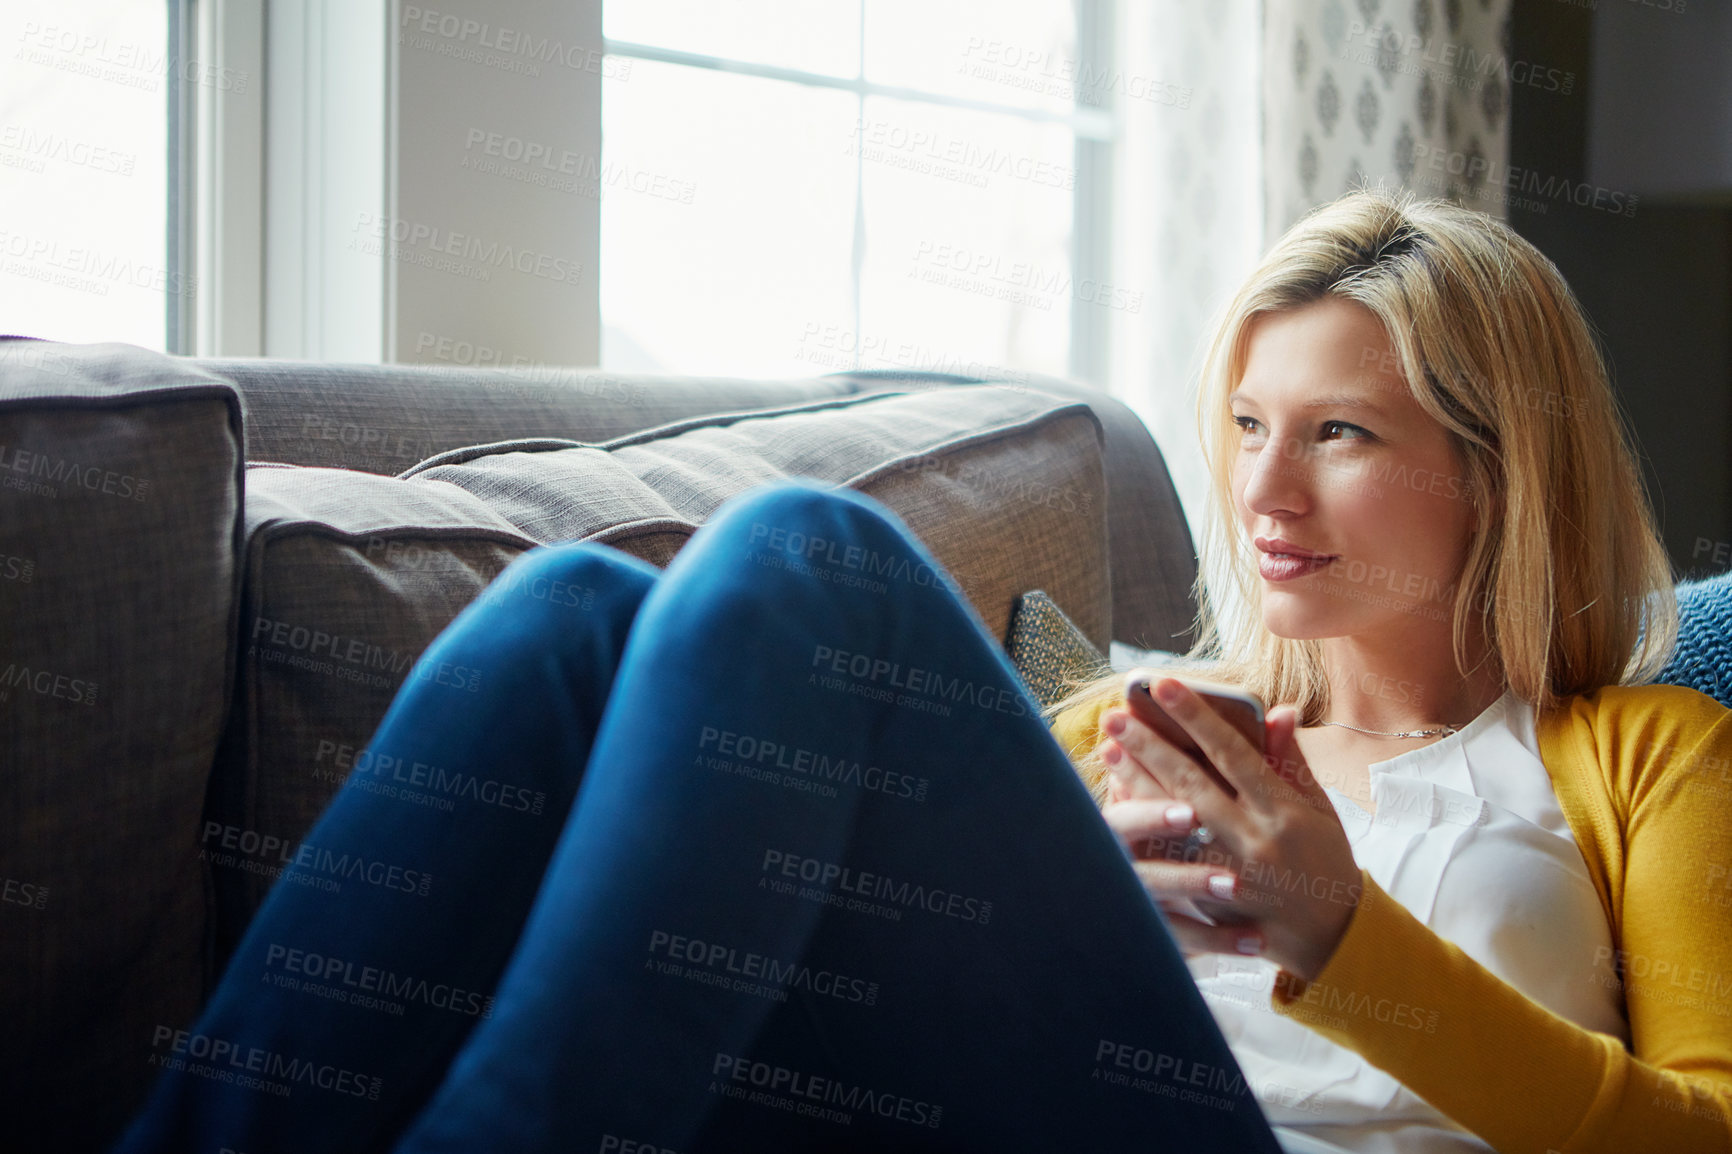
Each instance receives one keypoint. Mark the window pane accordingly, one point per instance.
(968, 229)
(84, 171)
(726, 222)
(1019, 52)
(820, 36)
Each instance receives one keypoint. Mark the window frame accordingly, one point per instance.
(216, 125)
(241, 194)
(1095, 129)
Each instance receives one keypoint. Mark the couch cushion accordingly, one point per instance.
(1154, 565)
(350, 576)
(119, 507)
(384, 418)
(995, 481)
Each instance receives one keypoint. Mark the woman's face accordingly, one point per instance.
(1353, 496)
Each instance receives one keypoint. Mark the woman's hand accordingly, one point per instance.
(1280, 860)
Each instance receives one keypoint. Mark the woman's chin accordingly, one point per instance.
(1294, 624)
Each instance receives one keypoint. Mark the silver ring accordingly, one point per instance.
(1198, 838)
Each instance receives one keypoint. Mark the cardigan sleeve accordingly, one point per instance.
(1077, 731)
(1523, 1078)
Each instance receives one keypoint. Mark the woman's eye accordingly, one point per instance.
(1327, 431)
(1350, 431)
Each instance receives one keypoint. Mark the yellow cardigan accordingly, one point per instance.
(1643, 775)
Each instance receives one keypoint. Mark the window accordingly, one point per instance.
(793, 187)
(84, 172)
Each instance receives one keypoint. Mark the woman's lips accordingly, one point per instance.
(1286, 567)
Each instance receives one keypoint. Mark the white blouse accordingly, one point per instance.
(1468, 836)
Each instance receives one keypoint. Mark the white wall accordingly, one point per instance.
(424, 187)
(497, 121)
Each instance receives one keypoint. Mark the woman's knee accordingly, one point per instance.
(554, 587)
(802, 518)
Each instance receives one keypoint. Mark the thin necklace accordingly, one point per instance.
(1441, 732)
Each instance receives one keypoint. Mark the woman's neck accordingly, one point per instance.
(1404, 684)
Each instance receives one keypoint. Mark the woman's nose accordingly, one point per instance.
(1279, 478)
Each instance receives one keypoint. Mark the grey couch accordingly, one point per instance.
(215, 574)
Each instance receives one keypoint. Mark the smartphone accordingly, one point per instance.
(1243, 711)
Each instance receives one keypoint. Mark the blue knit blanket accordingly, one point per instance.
(1703, 659)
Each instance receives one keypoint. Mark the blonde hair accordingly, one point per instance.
(1565, 579)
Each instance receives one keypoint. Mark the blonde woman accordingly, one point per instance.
(753, 857)
(1476, 895)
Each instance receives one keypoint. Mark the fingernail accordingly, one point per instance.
(1115, 724)
(1249, 946)
(1222, 885)
(1180, 815)
(1112, 754)
(1167, 691)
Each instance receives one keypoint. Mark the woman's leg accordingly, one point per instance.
(832, 885)
(379, 949)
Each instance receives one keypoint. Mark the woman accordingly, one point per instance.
(792, 863)
(1433, 551)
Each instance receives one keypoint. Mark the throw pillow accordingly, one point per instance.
(1048, 650)
(1703, 657)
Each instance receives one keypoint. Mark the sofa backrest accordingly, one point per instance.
(386, 418)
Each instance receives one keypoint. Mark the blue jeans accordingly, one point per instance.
(768, 852)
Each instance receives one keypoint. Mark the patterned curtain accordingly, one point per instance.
(1188, 226)
(1404, 93)
(1410, 93)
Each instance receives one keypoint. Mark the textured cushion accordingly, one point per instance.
(1703, 657)
(349, 576)
(119, 499)
(1050, 653)
(999, 483)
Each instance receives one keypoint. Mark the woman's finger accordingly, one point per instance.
(1195, 937)
(1140, 819)
(1291, 778)
(1217, 893)
(1125, 777)
(1177, 772)
(1148, 751)
(1127, 780)
(1234, 758)
(1208, 883)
